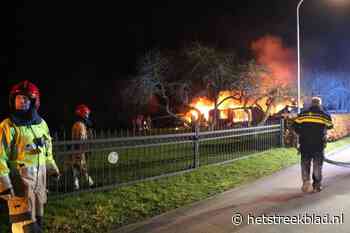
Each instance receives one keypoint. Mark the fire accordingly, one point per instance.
(230, 103)
(269, 51)
(204, 105)
(241, 116)
(223, 114)
(230, 110)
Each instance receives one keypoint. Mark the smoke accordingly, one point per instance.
(281, 62)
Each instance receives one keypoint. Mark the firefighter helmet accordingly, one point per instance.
(81, 110)
(28, 89)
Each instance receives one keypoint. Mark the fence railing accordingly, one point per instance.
(142, 157)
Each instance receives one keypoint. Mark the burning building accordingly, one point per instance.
(233, 111)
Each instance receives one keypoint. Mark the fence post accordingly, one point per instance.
(196, 146)
(282, 131)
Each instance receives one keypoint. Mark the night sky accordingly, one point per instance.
(82, 52)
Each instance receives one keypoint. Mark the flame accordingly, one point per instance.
(229, 103)
(229, 110)
(223, 114)
(204, 105)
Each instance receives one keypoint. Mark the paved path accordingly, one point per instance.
(272, 196)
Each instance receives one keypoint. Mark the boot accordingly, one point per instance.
(76, 184)
(317, 188)
(90, 181)
(40, 221)
(28, 228)
(307, 187)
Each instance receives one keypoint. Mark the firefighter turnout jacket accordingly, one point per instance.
(25, 159)
(311, 125)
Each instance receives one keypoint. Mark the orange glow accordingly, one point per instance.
(269, 51)
(241, 116)
(204, 105)
(228, 110)
(229, 103)
(223, 114)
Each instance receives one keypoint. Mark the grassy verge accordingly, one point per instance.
(98, 212)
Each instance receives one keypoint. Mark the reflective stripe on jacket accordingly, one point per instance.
(19, 150)
(317, 118)
(311, 126)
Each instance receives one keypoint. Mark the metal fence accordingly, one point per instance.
(142, 157)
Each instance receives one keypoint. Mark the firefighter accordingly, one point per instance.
(25, 157)
(81, 130)
(311, 126)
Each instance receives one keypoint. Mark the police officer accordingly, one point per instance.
(311, 126)
(26, 153)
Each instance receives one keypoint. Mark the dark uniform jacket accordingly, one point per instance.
(311, 125)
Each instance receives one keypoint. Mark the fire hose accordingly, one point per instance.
(337, 163)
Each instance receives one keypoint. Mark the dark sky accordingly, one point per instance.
(80, 51)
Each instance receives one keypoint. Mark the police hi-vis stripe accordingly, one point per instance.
(313, 118)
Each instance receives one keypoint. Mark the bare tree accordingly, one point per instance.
(253, 91)
(216, 71)
(213, 71)
(220, 71)
(154, 79)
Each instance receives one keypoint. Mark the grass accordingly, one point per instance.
(98, 212)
